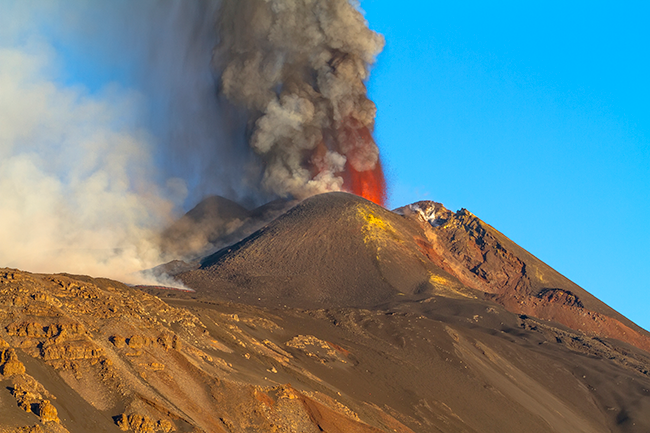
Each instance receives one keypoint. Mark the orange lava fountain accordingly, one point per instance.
(363, 173)
(369, 184)
(356, 143)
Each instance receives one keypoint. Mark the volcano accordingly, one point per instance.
(336, 316)
(336, 250)
(216, 221)
(332, 250)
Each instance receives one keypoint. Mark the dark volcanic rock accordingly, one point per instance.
(429, 321)
(209, 221)
(333, 249)
(214, 223)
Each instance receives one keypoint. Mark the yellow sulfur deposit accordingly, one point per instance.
(375, 228)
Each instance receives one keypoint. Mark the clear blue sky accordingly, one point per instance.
(535, 117)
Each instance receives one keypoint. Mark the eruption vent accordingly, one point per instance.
(298, 67)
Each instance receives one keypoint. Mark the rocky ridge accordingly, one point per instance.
(484, 259)
(80, 354)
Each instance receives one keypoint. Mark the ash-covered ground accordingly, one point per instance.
(337, 316)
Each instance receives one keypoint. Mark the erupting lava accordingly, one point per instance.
(364, 175)
(369, 184)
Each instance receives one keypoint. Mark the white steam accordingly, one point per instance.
(81, 185)
(75, 193)
(110, 117)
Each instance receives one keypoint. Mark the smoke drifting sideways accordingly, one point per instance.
(76, 189)
(111, 121)
(298, 67)
(95, 100)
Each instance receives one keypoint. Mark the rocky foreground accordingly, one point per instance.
(95, 355)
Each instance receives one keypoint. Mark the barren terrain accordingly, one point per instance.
(338, 316)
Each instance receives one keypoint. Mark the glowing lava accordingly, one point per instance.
(369, 184)
(364, 175)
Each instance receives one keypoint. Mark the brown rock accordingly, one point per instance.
(28, 392)
(47, 412)
(137, 342)
(31, 429)
(26, 329)
(65, 330)
(9, 363)
(165, 426)
(118, 341)
(13, 367)
(168, 341)
(137, 423)
(70, 350)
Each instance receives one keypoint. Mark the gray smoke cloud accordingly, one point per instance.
(164, 49)
(298, 67)
(112, 123)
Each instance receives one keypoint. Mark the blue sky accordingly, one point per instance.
(535, 117)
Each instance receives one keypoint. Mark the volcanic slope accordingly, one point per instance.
(84, 355)
(213, 218)
(91, 355)
(333, 249)
(423, 354)
(213, 223)
(483, 258)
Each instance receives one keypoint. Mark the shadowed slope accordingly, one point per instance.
(212, 219)
(333, 249)
(214, 223)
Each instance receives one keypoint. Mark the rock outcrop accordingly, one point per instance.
(484, 259)
(138, 364)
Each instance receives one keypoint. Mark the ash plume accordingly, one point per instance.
(298, 67)
(117, 116)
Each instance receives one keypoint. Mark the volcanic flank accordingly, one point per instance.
(331, 250)
(216, 222)
(484, 259)
(337, 316)
(339, 250)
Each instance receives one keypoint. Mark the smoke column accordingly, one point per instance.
(298, 67)
(116, 116)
